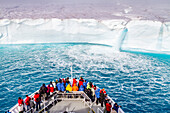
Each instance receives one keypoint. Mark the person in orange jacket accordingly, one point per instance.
(103, 91)
(75, 88)
(27, 102)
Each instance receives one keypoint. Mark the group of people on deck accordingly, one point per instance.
(29, 102)
(65, 85)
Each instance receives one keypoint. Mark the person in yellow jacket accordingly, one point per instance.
(88, 86)
(69, 88)
(75, 88)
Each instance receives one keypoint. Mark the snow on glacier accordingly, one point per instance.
(136, 35)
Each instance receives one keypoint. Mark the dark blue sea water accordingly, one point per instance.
(136, 81)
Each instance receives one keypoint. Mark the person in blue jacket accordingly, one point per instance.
(116, 107)
(62, 87)
(97, 93)
(85, 84)
(59, 86)
(81, 88)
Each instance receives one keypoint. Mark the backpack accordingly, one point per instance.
(38, 99)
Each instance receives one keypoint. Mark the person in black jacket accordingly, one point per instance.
(43, 91)
(89, 93)
(102, 98)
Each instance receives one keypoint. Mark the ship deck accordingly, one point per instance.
(75, 106)
(76, 102)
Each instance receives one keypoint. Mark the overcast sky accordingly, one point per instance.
(91, 9)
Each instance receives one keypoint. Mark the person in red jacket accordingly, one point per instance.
(74, 81)
(20, 105)
(27, 102)
(108, 107)
(81, 81)
(48, 90)
(20, 101)
(51, 88)
(95, 87)
(37, 99)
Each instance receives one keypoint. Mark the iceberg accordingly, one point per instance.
(135, 35)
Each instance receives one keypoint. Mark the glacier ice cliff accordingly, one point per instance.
(135, 35)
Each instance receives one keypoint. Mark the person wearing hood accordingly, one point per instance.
(75, 88)
(97, 93)
(69, 88)
(62, 87)
(85, 84)
(88, 86)
(74, 81)
(81, 88)
(59, 86)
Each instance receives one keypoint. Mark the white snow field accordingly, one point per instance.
(126, 25)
